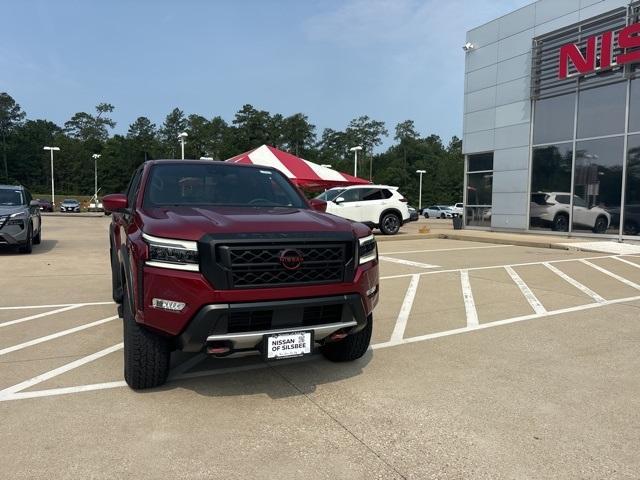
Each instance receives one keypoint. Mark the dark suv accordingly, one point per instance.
(229, 258)
(20, 223)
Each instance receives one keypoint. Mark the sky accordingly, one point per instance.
(333, 60)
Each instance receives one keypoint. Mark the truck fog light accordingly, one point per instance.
(372, 291)
(168, 305)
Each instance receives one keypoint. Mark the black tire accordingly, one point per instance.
(146, 354)
(443, 216)
(28, 246)
(601, 224)
(426, 215)
(390, 223)
(561, 223)
(352, 347)
(37, 240)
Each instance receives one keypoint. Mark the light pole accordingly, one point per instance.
(53, 189)
(421, 172)
(355, 151)
(182, 137)
(95, 157)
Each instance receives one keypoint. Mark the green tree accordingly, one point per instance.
(11, 116)
(174, 124)
(298, 134)
(252, 128)
(368, 133)
(86, 127)
(143, 137)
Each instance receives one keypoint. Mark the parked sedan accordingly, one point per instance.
(439, 211)
(413, 214)
(44, 205)
(70, 205)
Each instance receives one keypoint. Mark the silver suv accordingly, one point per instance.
(20, 222)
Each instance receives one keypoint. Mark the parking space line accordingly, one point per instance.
(7, 392)
(526, 291)
(611, 274)
(39, 315)
(53, 336)
(583, 288)
(410, 263)
(490, 267)
(469, 303)
(31, 307)
(507, 321)
(15, 392)
(624, 260)
(405, 310)
(447, 249)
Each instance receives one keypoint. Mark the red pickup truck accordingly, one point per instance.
(226, 258)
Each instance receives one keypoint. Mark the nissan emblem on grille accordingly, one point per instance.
(291, 259)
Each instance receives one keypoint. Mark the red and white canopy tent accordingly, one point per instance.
(303, 173)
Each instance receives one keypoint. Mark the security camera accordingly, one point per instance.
(468, 46)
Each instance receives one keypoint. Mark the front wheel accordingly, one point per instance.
(390, 224)
(561, 223)
(28, 246)
(443, 216)
(350, 348)
(601, 225)
(146, 354)
(37, 240)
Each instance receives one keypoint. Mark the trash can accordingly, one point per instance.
(457, 223)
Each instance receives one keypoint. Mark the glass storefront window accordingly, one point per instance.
(553, 120)
(601, 110)
(550, 187)
(634, 106)
(632, 194)
(479, 190)
(598, 185)
(480, 162)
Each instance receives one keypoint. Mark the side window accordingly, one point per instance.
(386, 193)
(28, 197)
(352, 195)
(371, 194)
(133, 188)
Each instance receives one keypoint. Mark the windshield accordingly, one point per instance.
(11, 198)
(219, 184)
(329, 195)
(70, 201)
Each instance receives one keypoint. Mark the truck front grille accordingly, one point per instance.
(262, 265)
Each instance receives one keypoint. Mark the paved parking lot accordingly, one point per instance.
(488, 361)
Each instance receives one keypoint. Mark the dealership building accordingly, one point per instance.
(552, 119)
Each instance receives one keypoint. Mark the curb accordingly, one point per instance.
(479, 239)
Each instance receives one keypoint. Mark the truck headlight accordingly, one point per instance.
(170, 253)
(368, 249)
(18, 219)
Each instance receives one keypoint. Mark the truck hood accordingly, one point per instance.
(10, 210)
(192, 223)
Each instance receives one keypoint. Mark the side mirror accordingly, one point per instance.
(318, 205)
(115, 203)
(338, 200)
(34, 203)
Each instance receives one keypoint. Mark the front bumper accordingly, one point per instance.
(213, 322)
(13, 235)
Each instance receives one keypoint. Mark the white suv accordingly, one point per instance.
(551, 209)
(378, 206)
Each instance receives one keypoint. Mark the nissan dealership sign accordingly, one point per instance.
(599, 52)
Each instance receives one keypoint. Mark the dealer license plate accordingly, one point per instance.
(288, 345)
